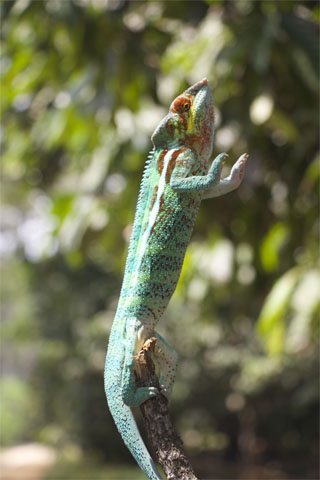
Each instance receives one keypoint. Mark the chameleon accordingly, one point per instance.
(178, 174)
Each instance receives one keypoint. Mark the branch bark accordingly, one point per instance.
(166, 444)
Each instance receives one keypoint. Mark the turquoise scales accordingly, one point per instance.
(176, 178)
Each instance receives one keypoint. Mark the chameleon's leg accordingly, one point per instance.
(131, 395)
(167, 360)
(230, 183)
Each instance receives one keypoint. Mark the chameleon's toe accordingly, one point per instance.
(225, 157)
(242, 163)
(222, 157)
(237, 170)
(217, 164)
(165, 391)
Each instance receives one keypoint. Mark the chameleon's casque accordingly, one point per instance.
(176, 178)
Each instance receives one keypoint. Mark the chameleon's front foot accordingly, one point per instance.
(230, 183)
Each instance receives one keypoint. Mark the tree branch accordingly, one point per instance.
(166, 443)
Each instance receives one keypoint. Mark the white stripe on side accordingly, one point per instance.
(153, 214)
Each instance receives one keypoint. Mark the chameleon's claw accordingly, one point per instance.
(147, 392)
(244, 157)
(152, 391)
(165, 392)
(163, 389)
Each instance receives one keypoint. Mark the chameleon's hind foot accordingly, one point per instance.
(136, 397)
(167, 360)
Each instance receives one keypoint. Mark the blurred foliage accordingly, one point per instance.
(83, 85)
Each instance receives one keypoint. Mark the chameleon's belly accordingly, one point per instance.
(153, 273)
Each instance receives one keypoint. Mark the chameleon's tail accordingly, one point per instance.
(123, 417)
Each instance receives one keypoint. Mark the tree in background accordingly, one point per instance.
(84, 83)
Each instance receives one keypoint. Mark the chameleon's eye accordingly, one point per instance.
(181, 104)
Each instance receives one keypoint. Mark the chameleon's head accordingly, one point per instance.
(190, 120)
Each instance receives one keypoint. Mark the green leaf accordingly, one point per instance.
(271, 323)
(271, 245)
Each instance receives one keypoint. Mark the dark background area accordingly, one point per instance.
(83, 85)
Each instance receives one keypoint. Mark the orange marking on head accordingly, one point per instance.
(181, 104)
(161, 160)
(172, 163)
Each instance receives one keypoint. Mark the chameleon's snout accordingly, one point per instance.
(202, 95)
(194, 89)
(201, 121)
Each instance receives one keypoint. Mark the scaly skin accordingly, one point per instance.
(176, 178)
